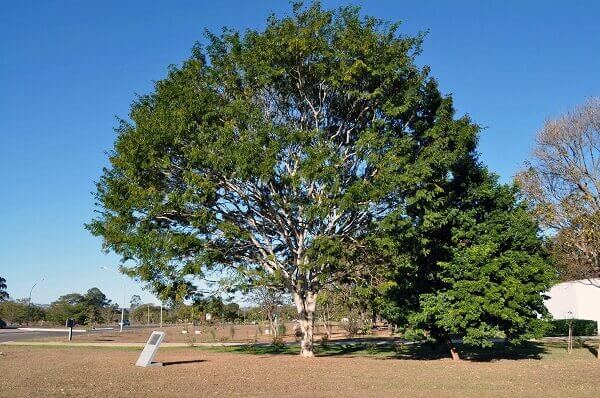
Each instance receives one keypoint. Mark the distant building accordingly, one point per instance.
(576, 299)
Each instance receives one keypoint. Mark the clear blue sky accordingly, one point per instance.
(67, 68)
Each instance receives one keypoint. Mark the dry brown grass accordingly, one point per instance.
(74, 372)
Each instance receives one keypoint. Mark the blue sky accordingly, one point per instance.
(68, 68)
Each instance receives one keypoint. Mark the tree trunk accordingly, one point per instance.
(453, 350)
(306, 304)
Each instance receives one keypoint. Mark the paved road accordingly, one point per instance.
(24, 335)
(20, 335)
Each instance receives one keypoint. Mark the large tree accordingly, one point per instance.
(470, 262)
(562, 180)
(275, 153)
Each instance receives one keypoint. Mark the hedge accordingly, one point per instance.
(581, 327)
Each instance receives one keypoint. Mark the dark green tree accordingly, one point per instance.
(476, 268)
(274, 153)
(85, 309)
(3, 292)
(135, 301)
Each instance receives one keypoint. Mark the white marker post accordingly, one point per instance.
(150, 349)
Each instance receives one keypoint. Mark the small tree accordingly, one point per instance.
(269, 300)
(3, 292)
(135, 301)
(562, 181)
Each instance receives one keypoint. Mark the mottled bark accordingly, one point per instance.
(306, 305)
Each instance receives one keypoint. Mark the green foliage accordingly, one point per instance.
(581, 327)
(3, 292)
(281, 329)
(314, 152)
(20, 312)
(139, 315)
(135, 301)
(278, 343)
(275, 153)
(86, 309)
(479, 269)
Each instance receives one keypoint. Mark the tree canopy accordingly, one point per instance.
(88, 308)
(286, 155)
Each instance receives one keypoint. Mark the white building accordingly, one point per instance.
(577, 300)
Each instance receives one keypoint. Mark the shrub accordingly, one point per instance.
(278, 343)
(351, 326)
(371, 348)
(281, 330)
(581, 327)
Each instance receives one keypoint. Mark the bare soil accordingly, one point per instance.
(103, 372)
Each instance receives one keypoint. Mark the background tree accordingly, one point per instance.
(135, 301)
(140, 314)
(20, 312)
(231, 312)
(269, 300)
(85, 309)
(562, 180)
(275, 158)
(3, 292)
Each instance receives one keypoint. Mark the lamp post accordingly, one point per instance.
(123, 306)
(31, 290)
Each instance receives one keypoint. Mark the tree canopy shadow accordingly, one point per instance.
(428, 351)
(170, 363)
(404, 351)
(497, 351)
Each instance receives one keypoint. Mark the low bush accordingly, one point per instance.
(581, 327)
(278, 343)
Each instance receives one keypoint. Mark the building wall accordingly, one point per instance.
(577, 299)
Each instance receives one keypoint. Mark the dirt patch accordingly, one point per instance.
(74, 372)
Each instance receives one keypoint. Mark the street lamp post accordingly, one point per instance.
(31, 290)
(123, 306)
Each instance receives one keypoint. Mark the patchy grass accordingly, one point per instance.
(344, 370)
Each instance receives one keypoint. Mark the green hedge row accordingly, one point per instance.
(581, 327)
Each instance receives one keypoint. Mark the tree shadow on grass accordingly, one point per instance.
(497, 351)
(591, 348)
(426, 351)
(170, 363)
(410, 351)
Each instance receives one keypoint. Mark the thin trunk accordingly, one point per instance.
(272, 325)
(306, 304)
(453, 350)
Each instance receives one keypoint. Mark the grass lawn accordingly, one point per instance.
(342, 370)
